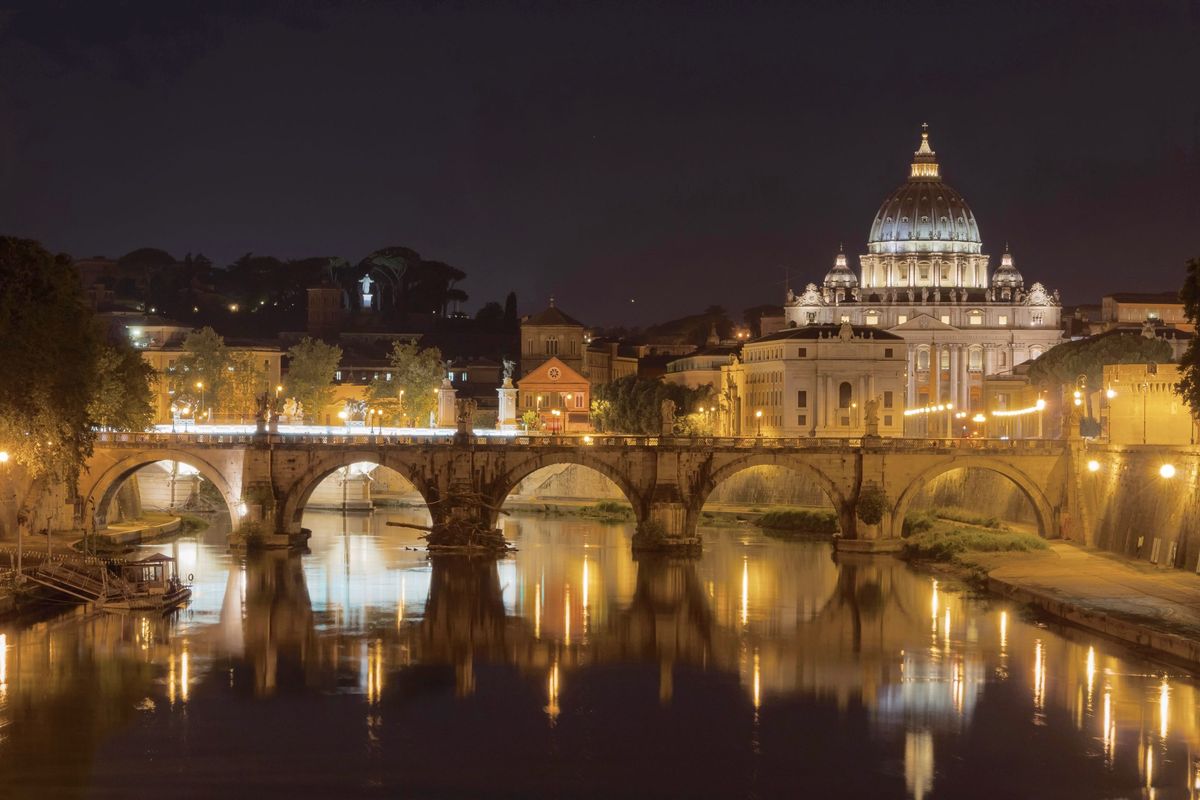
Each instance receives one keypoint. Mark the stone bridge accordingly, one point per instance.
(267, 479)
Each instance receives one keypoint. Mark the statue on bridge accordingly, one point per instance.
(871, 417)
(668, 417)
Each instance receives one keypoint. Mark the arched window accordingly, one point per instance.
(845, 393)
(923, 358)
(944, 359)
(975, 359)
(1034, 352)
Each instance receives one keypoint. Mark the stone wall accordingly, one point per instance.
(1125, 506)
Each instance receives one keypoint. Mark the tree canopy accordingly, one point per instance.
(62, 380)
(634, 405)
(411, 393)
(1062, 365)
(312, 365)
(1189, 384)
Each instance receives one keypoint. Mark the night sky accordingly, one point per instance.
(681, 155)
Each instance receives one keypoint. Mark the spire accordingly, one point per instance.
(924, 159)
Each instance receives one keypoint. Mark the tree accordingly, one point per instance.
(48, 346)
(411, 392)
(245, 381)
(1189, 384)
(511, 322)
(634, 405)
(491, 316)
(202, 372)
(1062, 365)
(123, 399)
(311, 368)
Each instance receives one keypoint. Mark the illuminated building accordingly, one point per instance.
(925, 278)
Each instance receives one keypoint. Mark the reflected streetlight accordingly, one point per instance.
(1167, 471)
(1093, 465)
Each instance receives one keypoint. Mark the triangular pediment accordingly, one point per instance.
(923, 322)
(552, 370)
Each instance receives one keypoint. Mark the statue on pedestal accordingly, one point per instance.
(668, 417)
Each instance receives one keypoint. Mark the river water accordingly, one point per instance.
(763, 669)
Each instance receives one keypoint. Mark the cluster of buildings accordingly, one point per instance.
(925, 338)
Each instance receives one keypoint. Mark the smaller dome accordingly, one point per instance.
(840, 277)
(1006, 276)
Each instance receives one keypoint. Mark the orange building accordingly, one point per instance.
(559, 395)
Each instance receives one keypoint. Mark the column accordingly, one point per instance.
(912, 377)
(935, 374)
(953, 396)
(964, 379)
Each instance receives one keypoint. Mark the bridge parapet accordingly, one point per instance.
(267, 478)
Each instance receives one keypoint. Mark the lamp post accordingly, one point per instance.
(758, 417)
(400, 410)
(200, 386)
(557, 420)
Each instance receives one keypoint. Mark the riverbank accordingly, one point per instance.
(1139, 604)
(714, 515)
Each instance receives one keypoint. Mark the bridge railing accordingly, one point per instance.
(590, 440)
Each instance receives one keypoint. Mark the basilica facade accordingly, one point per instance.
(926, 279)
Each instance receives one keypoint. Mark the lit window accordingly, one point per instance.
(1003, 319)
(976, 318)
(872, 318)
(975, 359)
(903, 318)
(922, 359)
(945, 319)
(944, 359)
(845, 317)
(337, 376)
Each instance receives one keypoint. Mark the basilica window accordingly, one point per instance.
(945, 273)
(923, 358)
(1002, 358)
(872, 317)
(845, 317)
(1034, 352)
(976, 318)
(944, 359)
(1003, 319)
(802, 352)
(551, 345)
(845, 393)
(945, 319)
(888, 399)
(812, 317)
(903, 318)
(1037, 318)
(975, 359)
(802, 399)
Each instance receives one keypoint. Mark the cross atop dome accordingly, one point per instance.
(924, 159)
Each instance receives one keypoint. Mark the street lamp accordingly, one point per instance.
(557, 420)
(400, 409)
(758, 416)
(1167, 471)
(1093, 465)
(344, 417)
(200, 386)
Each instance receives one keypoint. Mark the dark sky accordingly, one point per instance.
(682, 155)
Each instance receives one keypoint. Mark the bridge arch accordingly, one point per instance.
(795, 463)
(509, 478)
(102, 488)
(297, 495)
(1042, 508)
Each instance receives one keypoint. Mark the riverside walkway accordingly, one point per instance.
(1132, 601)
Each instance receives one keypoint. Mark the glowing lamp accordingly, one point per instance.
(1167, 470)
(1110, 394)
(3, 456)
(1093, 466)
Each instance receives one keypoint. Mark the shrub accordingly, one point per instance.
(968, 518)
(800, 520)
(916, 522)
(872, 504)
(946, 545)
(650, 533)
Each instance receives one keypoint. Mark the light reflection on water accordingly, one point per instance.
(571, 668)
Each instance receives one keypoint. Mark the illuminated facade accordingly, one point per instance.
(817, 380)
(925, 278)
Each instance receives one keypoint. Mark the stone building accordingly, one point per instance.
(559, 395)
(926, 279)
(1143, 407)
(552, 334)
(816, 380)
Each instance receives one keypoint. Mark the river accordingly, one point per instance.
(569, 669)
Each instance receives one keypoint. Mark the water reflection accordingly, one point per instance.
(571, 667)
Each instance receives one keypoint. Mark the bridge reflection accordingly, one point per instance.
(916, 661)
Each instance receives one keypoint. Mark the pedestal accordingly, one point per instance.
(506, 416)
(446, 395)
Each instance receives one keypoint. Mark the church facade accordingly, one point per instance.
(926, 279)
